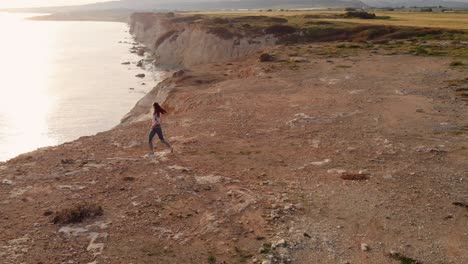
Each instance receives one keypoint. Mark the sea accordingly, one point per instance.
(63, 80)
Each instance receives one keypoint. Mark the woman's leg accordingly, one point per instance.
(151, 136)
(161, 137)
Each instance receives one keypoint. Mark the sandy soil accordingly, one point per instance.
(261, 149)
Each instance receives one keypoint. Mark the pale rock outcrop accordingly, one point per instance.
(179, 42)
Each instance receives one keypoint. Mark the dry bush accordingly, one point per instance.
(77, 213)
(222, 32)
(264, 57)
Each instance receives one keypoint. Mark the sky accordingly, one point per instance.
(35, 3)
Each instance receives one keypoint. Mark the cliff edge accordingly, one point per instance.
(185, 41)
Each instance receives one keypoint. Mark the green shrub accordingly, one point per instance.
(359, 14)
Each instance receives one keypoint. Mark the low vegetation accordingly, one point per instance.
(360, 14)
(77, 213)
(404, 259)
(457, 63)
(264, 57)
(308, 27)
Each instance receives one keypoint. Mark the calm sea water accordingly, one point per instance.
(63, 80)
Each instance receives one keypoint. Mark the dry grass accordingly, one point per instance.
(413, 19)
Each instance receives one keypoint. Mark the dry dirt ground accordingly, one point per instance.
(257, 175)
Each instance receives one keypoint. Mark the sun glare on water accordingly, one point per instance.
(24, 99)
(63, 80)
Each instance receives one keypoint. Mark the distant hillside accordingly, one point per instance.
(417, 3)
(184, 5)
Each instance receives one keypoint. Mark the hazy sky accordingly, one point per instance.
(28, 3)
(35, 3)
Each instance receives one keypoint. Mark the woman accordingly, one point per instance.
(156, 128)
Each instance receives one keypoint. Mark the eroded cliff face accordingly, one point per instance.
(186, 41)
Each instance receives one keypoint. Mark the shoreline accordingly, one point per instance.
(148, 71)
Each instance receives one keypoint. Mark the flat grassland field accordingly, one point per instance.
(413, 19)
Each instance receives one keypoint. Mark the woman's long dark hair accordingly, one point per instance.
(158, 110)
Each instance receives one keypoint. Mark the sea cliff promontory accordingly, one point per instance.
(351, 148)
(190, 40)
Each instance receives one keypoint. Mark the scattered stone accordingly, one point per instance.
(279, 243)
(364, 247)
(435, 151)
(301, 119)
(179, 168)
(72, 231)
(140, 63)
(336, 171)
(210, 179)
(7, 182)
(71, 187)
(94, 247)
(320, 163)
(126, 63)
(140, 75)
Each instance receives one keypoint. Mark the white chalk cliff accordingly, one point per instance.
(179, 41)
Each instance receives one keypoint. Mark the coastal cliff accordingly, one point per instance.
(185, 41)
(347, 155)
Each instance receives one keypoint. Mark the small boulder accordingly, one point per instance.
(279, 243)
(141, 75)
